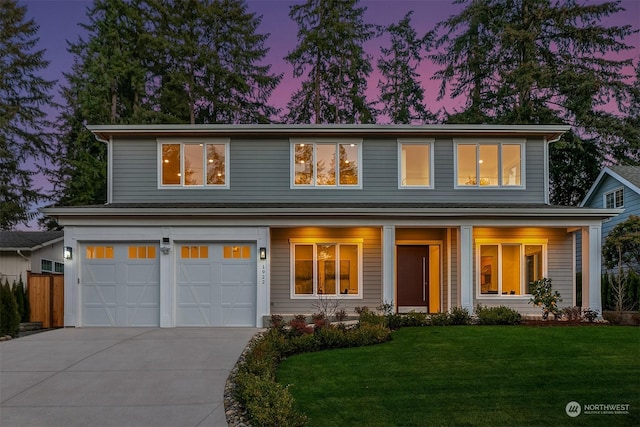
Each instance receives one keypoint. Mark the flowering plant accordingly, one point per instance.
(543, 296)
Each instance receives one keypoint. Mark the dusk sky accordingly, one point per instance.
(58, 21)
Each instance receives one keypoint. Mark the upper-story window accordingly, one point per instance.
(415, 163)
(194, 163)
(326, 163)
(614, 199)
(489, 163)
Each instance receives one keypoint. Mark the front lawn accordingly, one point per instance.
(472, 376)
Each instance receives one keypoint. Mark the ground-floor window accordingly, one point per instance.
(509, 268)
(326, 268)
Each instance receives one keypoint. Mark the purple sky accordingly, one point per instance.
(58, 21)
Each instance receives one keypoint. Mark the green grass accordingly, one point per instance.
(472, 376)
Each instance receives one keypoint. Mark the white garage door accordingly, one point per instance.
(216, 284)
(120, 284)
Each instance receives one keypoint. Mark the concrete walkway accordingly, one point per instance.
(118, 376)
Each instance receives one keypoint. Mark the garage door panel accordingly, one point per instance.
(123, 288)
(100, 316)
(220, 291)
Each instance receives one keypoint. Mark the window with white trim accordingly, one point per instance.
(415, 163)
(193, 163)
(614, 198)
(58, 267)
(46, 265)
(489, 164)
(509, 268)
(326, 163)
(331, 268)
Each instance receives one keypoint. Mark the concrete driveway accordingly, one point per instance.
(118, 376)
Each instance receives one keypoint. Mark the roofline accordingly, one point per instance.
(337, 212)
(598, 180)
(550, 132)
(34, 248)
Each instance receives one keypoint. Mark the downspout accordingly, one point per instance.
(19, 252)
(546, 167)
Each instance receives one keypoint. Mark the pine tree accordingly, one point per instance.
(106, 85)
(543, 63)
(331, 58)
(209, 67)
(24, 98)
(401, 95)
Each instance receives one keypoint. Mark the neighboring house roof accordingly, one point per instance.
(627, 175)
(28, 240)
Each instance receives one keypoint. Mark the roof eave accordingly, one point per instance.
(549, 132)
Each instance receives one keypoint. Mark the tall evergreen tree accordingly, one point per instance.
(209, 67)
(24, 98)
(331, 59)
(106, 85)
(547, 63)
(401, 95)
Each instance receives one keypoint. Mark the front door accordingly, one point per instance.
(418, 278)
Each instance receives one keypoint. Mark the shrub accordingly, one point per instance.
(440, 319)
(497, 315)
(298, 326)
(459, 316)
(414, 318)
(572, 313)
(394, 321)
(9, 316)
(267, 402)
(367, 316)
(368, 334)
(543, 296)
(590, 314)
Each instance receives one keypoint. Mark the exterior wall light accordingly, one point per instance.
(68, 252)
(263, 253)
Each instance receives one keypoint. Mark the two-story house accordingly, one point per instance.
(223, 225)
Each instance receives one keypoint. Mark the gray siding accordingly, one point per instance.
(259, 171)
(631, 207)
(281, 303)
(559, 256)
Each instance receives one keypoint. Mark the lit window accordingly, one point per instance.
(415, 164)
(194, 164)
(326, 164)
(509, 268)
(489, 164)
(99, 252)
(142, 252)
(331, 269)
(194, 252)
(614, 199)
(236, 252)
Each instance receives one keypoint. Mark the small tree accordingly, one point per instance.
(9, 317)
(621, 255)
(545, 297)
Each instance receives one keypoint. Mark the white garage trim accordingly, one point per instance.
(77, 237)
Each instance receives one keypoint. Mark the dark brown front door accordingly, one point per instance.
(413, 276)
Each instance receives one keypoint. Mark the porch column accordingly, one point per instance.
(466, 267)
(388, 264)
(594, 267)
(585, 266)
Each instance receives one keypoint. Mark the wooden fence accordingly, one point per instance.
(46, 299)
